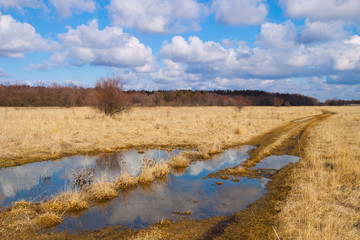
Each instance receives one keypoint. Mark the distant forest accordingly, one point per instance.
(68, 96)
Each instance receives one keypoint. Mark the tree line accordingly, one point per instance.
(109, 96)
(56, 95)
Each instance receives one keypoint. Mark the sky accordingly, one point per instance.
(309, 47)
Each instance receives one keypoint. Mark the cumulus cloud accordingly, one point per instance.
(277, 35)
(18, 38)
(157, 16)
(66, 8)
(20, 4)
(235, 12)
(322, 31)
(321, 10)
(345, 54)
(278, 55)
(173, 76)
(193, 51)
(107, 47)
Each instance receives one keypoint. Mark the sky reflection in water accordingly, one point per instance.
(181, 192)
(36, 181)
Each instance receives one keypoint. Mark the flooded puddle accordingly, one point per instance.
(181, 194)
(276, 162)
(38, 181)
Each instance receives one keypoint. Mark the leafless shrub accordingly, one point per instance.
(84, 178)
(111, 98)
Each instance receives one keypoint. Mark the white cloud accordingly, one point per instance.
(345, 54)
(18, 38)
(322, 31)
(235, 12)
(20, 4)
(277, 35)
(157, 16)
(323, 10)
(172, 74)
(107, 47)
(67, 7)
(194, 51)
(278, 55)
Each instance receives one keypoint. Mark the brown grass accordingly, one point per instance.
(43, 133)
(179, 161)
(52, 132)
(49, 219)
(324, 200)
(126, 181)
(67, 201)
(238, 170)
(102, 191)
(150, 172)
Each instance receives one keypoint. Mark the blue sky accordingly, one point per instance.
(311, 47)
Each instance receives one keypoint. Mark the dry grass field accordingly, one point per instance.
(324, 200)
(34, 134)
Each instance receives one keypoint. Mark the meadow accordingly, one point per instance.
(35, 134)
(324, 199)
(324, 186)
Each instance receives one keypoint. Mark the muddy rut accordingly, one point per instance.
(257, 221)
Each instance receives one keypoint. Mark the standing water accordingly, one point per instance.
(185, 193)
(38, 181)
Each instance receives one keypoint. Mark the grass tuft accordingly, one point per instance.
(150, 171)
(49, 219)
(69, 201)
(102, 191)
(179, 161)
(237, 170)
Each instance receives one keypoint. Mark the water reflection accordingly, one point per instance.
(180, 193)
(203, 198)
(277, 161)
(37, 181)
(229, 158)
(187, 191)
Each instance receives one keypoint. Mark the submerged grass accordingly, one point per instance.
(29, 216)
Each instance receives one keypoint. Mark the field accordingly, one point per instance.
(326, 180)
(324, 198)
(34, 134)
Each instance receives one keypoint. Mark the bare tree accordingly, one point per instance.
(111, 98)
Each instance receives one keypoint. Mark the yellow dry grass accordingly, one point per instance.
(49, 219)
(179, 161)
(150, 172)
(24, 219)
(324, 200)
(40, 133)
(51, 132)
(102, 191)
(67, 201)
(126, 181)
